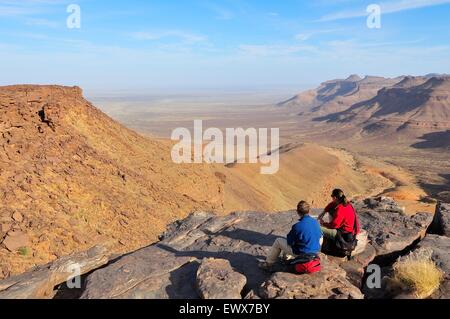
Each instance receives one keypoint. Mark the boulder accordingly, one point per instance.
(330, 283)
(363, 241)
(389, 230)
(15, 240)
(216, 279)
(441, 222)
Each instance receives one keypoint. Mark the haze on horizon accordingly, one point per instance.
(222, 45)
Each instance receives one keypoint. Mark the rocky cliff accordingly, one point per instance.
(206, 256)
(71, 176)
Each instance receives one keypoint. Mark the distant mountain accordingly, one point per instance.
(338, 95)
(413, 103)
(411, 81)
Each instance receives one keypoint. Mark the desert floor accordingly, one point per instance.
(418, 174)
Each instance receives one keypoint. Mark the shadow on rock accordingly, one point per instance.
(243, 263)
(251, 237)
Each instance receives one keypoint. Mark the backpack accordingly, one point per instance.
(306, 264)
(346, 243)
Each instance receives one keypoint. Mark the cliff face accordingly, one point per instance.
(421, 104)
(338, 95)
(71, 177)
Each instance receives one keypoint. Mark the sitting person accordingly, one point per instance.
(302, 243)
(344, 226)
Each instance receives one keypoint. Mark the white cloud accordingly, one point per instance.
(386, 8)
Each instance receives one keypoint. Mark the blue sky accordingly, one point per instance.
(226, 44)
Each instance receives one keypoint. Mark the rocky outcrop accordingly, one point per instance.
(216, 279)
(441, 222)
(389, 229)
(243, 237)
(329, 283)
(149, 273)
(41, 282)
(207, 256)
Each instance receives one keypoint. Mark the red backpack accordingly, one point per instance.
(307, 265)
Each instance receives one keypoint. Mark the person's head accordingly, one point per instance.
(339, 197)
(303, 208)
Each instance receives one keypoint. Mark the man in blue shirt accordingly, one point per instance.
(304, 239)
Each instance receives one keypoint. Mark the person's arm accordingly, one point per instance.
(292, 236)
(337, 221)
(327, 209)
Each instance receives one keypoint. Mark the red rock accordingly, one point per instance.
(16, 240)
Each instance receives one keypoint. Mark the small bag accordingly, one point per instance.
(346, 242)
(306, 264)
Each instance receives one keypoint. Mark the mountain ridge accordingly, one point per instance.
(415, 103)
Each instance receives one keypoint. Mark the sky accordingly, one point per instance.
(170, 45)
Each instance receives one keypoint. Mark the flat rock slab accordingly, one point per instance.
(389, 229)
(216, 279)
(241, 238)
(441, 222)
(40, 283)
(441, 255)
(330, 283)
(145, 274)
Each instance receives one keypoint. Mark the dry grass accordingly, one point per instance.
(418, 273)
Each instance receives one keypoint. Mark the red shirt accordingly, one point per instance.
(344, 218)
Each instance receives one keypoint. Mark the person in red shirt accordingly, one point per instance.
(343, 215)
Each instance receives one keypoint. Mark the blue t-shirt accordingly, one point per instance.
(305, 236)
